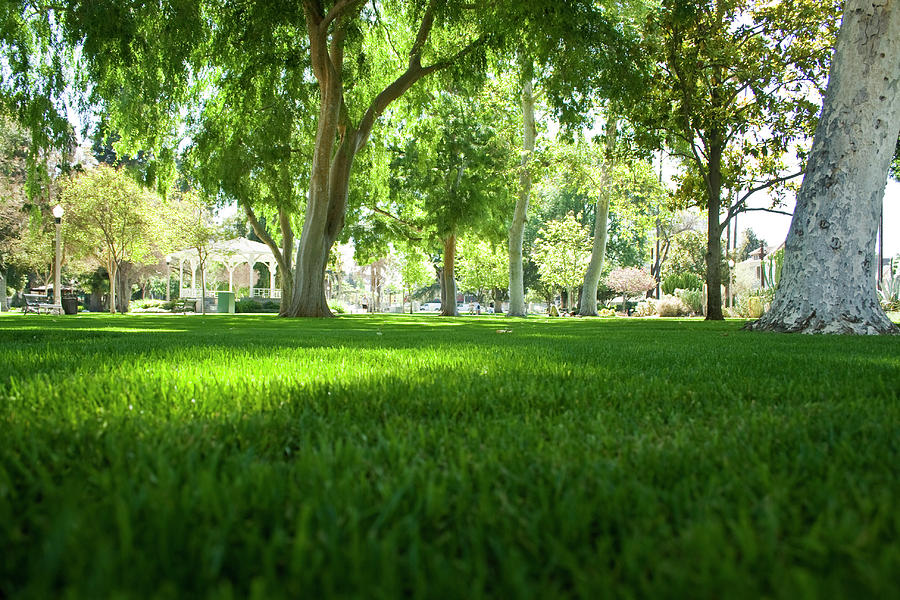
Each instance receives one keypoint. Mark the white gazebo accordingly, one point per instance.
(232, 254)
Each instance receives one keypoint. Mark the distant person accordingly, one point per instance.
(477, 308)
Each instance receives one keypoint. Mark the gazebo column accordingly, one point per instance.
(230, 268)
(180, 276)
(272, 267)
(193, 274)
(250, 270)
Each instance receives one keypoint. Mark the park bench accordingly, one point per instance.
(35, 303)
(182, 305)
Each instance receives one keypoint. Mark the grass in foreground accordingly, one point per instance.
(398, 456)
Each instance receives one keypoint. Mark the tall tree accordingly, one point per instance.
(454, 177)
(562, 252)
(111, 219)
(732, 91)
(520, 214)
(828, 280)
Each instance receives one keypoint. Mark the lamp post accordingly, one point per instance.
(729, 290)
(57, 292)
(168, 276)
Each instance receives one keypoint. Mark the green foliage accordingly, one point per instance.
(749, 243)
(562, 251)
(368, 456)
(687, 254)
(681, 281)
(482, 266)
(692, 299)
(110, 218)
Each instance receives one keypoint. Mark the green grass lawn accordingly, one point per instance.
(251, 456)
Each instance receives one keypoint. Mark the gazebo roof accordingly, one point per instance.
(234, 251)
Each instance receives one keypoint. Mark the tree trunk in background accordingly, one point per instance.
(714, 233)
(4, 304)
(123, 288)
(828, 280)
(202, 285)
(111, 269)
(448, 282)
(497, 294)
(588, 303)
(517, 228)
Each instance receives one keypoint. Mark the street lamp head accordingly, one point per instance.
(58, 212)
(168, 260)
(730, 263)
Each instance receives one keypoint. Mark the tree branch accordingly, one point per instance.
(340, 8)
(415, 228)
(262, 234)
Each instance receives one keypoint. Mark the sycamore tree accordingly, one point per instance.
(562, 252)
(827, 283)
(111, 220)
(733, 92)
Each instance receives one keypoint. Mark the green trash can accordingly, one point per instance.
(225, 302)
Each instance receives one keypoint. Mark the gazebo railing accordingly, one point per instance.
(195, 293)
(266, 293)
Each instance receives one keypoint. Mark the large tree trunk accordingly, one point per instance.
(828, 280)
(714, 235)
(588, 303)
(123, 288)
(448, 282)
(324, 221)
(517, 228)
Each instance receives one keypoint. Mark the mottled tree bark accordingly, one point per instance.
(517, 228)
(828, 280)
(588, 303)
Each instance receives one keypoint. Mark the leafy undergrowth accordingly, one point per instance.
(251, 456)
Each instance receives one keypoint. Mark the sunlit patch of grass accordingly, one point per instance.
(413, 455)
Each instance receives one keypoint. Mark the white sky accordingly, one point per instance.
(773, 228)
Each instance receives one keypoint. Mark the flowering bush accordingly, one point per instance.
(630, 281)
(671, 306)
(645, 308)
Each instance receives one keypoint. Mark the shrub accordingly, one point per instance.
(889, 291)
(671, 306)
(246, 305)
(646, 308)
(681, 281)
(148, 303)
(606, 312)
(337, 308)
(692, 300)
(270, 305)
(630, 281)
